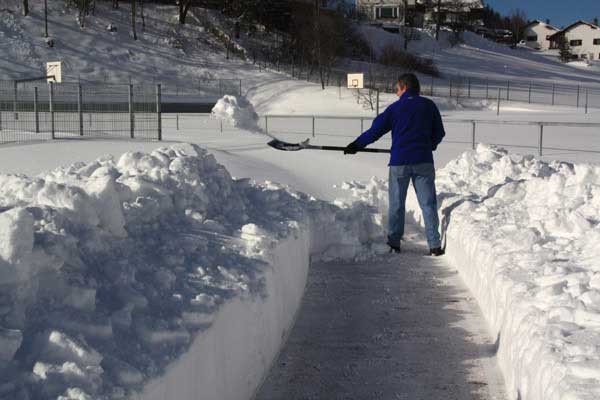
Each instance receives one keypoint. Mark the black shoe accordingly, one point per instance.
(436, 252)
(394, 248)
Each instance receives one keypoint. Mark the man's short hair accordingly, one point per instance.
(410, 82)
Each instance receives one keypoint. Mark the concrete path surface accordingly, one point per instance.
(400, 327)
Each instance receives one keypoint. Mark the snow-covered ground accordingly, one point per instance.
(68, 199)
(110, 269)
(524, 235)
(483, 58)
(113, 269)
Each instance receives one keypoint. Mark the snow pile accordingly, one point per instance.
(524, 235)
(238, 112)
(109, 269)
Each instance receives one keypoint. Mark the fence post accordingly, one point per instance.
(432, 79)
(80, 109)
(469, 93)
(530, 83)
(51, 107)
(176, 121)
(313, 126)
(267, 124)
(473, 132)
(361, 125)
(508, 91)
(159, 110)
(16, 114)
(553, 91)
(586, 100)
(498, 111)
(131, 120)
(339, 87)
(36, 110)
(240, 87)
(577, 96)
(377, 101)
(541, 137)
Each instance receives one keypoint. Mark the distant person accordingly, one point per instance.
(417, 130)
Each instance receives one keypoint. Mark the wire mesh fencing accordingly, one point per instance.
(37, 110)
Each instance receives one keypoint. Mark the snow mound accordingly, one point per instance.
(109, 269)
(524, 234)
(237, 112)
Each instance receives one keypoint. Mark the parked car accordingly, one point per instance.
(482, 30)
(503, 35)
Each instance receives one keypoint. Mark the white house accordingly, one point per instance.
(537, 35)
(583, 38)
(419, 12)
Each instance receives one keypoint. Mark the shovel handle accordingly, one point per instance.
(339, 148)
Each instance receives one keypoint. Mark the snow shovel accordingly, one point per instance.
(280, 145)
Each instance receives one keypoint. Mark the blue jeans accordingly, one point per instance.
(423, 179)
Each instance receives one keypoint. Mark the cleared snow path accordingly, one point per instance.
(401, 327)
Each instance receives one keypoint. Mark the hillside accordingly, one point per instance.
(165, 51)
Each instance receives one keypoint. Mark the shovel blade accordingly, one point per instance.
(285, 146)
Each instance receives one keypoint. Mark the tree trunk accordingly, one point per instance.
(142, 14)
(25, 7)
(115, 3)
(46, 18)
(184, 7)
(439, 20)
(133, 19)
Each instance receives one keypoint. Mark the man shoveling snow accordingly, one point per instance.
(417, 130)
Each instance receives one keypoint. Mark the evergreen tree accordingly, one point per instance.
(564, 49)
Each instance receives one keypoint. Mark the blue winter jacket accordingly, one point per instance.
(416, 126)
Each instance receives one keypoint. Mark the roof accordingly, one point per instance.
(573, 25)
(538, 22)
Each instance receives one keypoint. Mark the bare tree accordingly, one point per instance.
(318, 37)
(45, 18)
(439, 20)
(83, 11)
(184, 7)
(142, 15)
(133, 19)
(518, 21)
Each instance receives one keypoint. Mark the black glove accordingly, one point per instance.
(352, 148)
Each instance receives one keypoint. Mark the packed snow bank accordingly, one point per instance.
(524, 235)
(110, 271)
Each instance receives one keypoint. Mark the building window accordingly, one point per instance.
(575, 43)
(532, 38)
(597, 42)
(387, 12)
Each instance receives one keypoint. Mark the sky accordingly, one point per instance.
(560, 12)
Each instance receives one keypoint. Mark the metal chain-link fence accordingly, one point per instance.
(36, 110)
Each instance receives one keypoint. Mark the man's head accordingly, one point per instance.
(408, 83)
